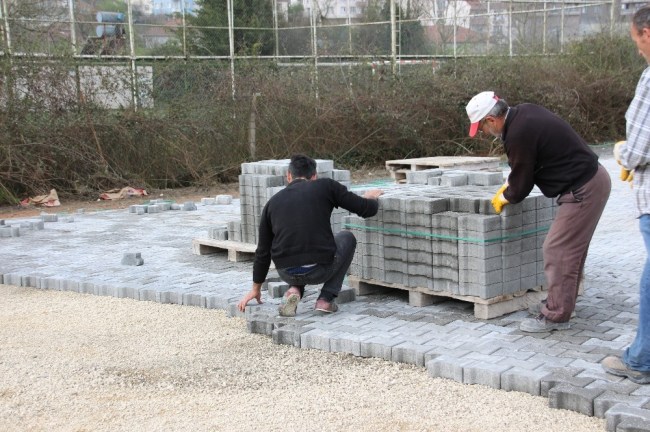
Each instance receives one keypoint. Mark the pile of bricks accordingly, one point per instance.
(448, 239)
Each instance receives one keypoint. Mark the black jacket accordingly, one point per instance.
(295, 227)
(544, 150)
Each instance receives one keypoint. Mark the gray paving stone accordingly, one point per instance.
(448, 367)
(633, 425)
(486, 374)
(563, 376)
(620, 413)
(608, 399)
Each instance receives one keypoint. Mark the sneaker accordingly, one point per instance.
(615, 366)
(290, 302)
(536, 309)
(541, 324)
(325, 306)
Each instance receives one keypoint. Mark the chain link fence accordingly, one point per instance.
(128, 39)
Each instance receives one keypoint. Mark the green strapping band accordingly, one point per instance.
(448, 237)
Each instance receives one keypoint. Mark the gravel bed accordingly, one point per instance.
(78, 362)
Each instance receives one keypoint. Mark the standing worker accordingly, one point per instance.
(544, 150)
(634, 155)
(296, 233)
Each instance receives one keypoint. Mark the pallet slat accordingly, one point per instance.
(237, 251)
(483, 308)
(399, 167)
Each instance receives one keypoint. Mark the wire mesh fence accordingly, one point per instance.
(112, 43)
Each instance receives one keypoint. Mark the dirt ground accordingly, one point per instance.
(180, 195)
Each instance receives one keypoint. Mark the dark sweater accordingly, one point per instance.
(544, 150)
(295, 227)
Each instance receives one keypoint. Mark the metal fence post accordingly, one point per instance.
(184, 28)
(314, 22)
(6, 32)
(489, 28)
(73, 32)
(134, 72)
(393, 38)
(562, 28)
(276, 51)
(231, 39)
(455, 28)
(510, 28)
(73, 39)
(544, 30)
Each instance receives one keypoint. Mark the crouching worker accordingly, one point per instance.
(295, 232)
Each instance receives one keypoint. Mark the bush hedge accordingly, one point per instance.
(198, 132)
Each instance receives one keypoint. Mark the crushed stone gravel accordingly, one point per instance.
(78, 362)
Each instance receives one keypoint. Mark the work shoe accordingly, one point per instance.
(615, 366)
(541, 324)
(325, 306)
(290, 302)
(536, 309)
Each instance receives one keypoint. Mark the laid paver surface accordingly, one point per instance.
(83, 252)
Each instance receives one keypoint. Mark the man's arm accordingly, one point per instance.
(364, 206)
(636, 152)
(262, 260)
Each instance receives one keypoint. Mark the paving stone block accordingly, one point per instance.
(288, 335)
(609, 398)
(448, 367)
(487, 374)
(127, 292)
(349, 344)
(277, 289)
(408, 352)
(171, 297)
(194, 299)
(315, 340)
(260, 324)
(523, 380)
(623, 413)
(633, 425)
(132, 259)
(378, 348)
(579, 399)
(563, 376)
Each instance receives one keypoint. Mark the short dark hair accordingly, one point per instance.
(641, 18)
(302, 166)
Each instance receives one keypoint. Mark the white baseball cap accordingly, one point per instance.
(478, 107)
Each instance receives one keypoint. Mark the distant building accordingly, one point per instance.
(145, 7)
(169, 7)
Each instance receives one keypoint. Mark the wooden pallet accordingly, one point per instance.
(237, 251)
(399, 168)
(483, 308)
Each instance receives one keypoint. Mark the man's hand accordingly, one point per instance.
(627, 175)
(617, 151)
(254, 293)
(498, 201)
(373, 193)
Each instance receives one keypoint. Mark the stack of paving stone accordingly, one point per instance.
(258, 182)
(447, 239)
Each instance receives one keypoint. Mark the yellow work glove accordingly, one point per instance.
(626, 174)
(498, 201)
